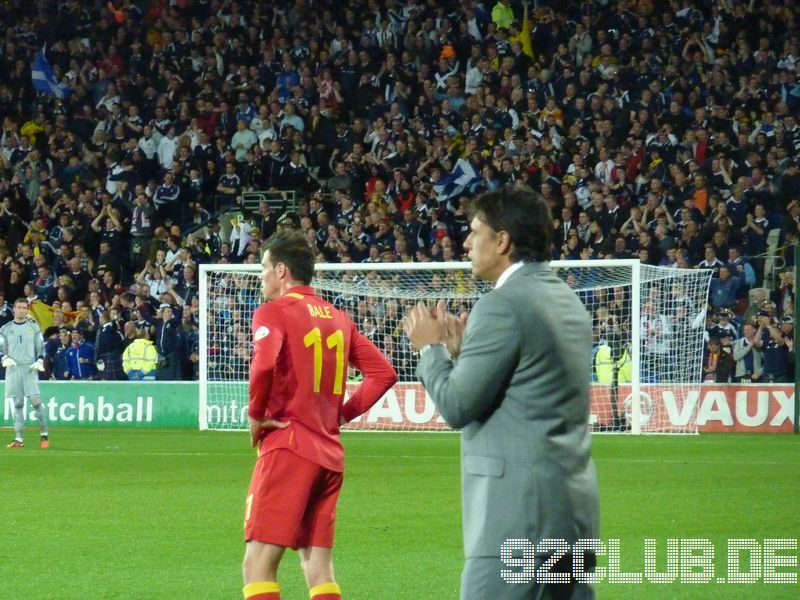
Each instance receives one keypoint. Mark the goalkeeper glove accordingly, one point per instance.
(38, 366)
(8, 362)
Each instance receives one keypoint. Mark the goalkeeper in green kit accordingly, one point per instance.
(22, 351)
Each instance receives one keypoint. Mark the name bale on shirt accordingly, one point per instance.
(321, 312)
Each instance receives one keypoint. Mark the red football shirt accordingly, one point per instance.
(302, 346)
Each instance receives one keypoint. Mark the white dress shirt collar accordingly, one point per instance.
(507, 273)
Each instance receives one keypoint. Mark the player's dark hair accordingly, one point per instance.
(522, 213)
(292, 249)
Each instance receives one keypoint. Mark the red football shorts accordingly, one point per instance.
(291, 502)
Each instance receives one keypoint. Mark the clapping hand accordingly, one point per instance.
(425, 327)
(422, 327)
(454, 326)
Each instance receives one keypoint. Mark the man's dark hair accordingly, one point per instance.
(522, 213)
(292, 249)
(128, 297)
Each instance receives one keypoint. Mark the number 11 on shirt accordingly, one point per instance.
(334, 341)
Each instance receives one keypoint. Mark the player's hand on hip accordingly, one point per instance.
(260, 427)
(422, 327)
(38, 366)
(8, 362)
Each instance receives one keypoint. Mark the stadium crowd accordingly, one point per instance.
(665, 131)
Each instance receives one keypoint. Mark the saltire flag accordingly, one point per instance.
(44, 80)
(456, 181)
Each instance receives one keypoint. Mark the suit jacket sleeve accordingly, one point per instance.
(471, 387)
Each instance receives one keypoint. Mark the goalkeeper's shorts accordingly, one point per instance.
(21, 382)
(291, 502)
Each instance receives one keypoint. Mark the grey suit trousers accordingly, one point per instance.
(481, 580)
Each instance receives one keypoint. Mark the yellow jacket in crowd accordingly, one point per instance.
(140, 359)
(604, 366)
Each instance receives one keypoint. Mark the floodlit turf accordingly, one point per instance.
(157, 514)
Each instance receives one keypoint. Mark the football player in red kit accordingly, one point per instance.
(302, 347)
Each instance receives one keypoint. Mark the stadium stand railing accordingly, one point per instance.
(279, 200)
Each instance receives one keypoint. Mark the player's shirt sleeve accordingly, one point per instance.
(379, 375)
(268, 338)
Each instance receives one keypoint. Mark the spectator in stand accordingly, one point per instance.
(717, 363)
(45, 285)
(783, 296)
(757, 298)
(80, 357)
(710, 260)
(741, 269)
(774, 349)
(85, 320)
(109, 349)
(190, 339)
(239, 237)
(140, 357)
(129, 332)
(748, 356)
(141, 228)
(243, 141)
(265, 220)
(723, 327)
(165, 333)
(187, 289)
(166, 200)
(724, 289)
(154, 277)
(229, 186)
(295, 173)
(58, 354)
(167, 149)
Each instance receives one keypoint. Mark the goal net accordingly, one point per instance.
(647, 325)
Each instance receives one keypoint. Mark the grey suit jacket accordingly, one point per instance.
(519, 392)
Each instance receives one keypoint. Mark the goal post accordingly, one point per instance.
(647, 327)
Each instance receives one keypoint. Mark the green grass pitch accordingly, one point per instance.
(158, 513)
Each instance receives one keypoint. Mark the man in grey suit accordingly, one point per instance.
(514, 378)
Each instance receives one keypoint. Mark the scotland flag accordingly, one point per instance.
(457, 180)
(44, 80)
